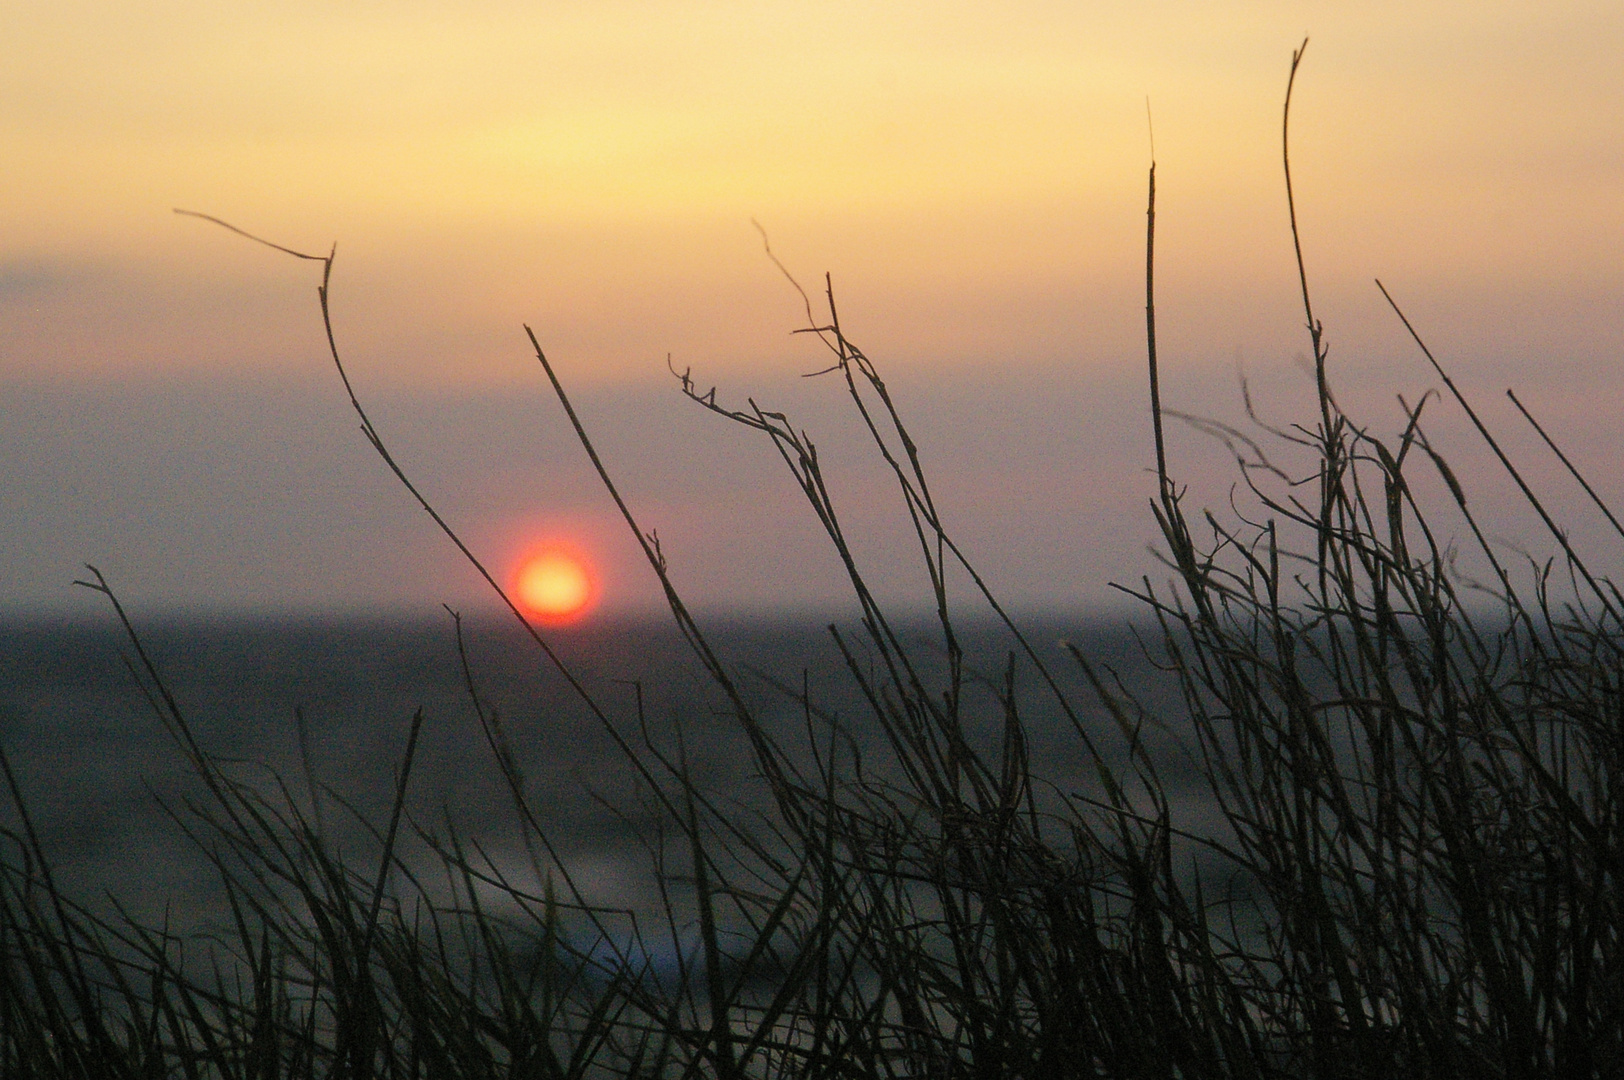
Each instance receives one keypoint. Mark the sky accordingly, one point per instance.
(970, 176)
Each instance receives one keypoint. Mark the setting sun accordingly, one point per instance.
(555, 585)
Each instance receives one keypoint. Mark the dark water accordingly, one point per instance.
(96, 765)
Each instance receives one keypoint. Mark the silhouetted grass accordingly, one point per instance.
(1416, 872)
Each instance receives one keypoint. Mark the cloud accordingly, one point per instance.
(31, 277)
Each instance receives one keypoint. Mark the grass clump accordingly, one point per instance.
(1412, 867)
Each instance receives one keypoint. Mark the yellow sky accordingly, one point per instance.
(971, 172)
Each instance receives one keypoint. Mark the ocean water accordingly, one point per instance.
(107, 789)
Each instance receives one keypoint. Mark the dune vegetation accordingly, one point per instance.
(1412, 867)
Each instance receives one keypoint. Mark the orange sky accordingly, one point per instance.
(971, 174)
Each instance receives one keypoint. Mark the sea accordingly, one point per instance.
(316, 715)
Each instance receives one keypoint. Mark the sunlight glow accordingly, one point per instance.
(555, 586)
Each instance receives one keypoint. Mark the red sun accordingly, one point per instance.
(555, 585)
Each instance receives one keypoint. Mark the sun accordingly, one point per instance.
(555, 585)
